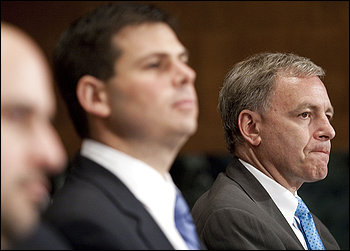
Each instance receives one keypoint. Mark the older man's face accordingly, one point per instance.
(296, 130)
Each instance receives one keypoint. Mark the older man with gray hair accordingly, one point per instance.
(276, 114)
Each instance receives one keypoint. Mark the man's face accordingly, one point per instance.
(152, 95)
(296, 130)
(30, 147)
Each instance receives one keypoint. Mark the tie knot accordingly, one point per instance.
(302, 211)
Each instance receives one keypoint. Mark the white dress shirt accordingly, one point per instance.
(286, 202)
(156, 193)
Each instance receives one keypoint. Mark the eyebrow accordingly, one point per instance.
(9, 108)
(17, 105)
(312, 107)
(24, 107)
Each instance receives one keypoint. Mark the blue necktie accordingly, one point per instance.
(184, 223)
(308, 228)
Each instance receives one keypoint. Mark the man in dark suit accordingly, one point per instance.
(276, 115)
(130, 92)
(31, 150)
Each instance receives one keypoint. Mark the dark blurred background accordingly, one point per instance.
(217, 35)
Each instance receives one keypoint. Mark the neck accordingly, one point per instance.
(158, 154)
(251, 156)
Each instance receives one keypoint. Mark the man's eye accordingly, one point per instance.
(330, 117)
(304, 115)
(19, 114)
(153, 65)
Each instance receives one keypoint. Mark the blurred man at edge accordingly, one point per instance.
(31, 150)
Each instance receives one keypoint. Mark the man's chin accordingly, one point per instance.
(192, 130)
(318, 173)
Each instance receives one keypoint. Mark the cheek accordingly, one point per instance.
(150, 92)
(15, 148)
(285, 146)
(288, 136)
(274, 135)
(136, 93)
(12, 169)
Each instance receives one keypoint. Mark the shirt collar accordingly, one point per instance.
(285, 201)
(147, 184)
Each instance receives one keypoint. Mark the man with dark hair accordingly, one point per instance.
(276, 114)
(130, 92)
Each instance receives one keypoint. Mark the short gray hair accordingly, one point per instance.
(249, 84)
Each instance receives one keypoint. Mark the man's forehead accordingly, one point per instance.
(283, 83)
(30, 87)
(149, 38)
(300, 90)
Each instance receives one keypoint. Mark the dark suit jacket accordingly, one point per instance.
(238, 213)
(95, 210)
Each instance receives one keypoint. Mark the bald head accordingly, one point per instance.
(30, 148)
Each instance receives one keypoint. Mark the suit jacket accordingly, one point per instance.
(43, 237)
(238, 213)
(95, 210)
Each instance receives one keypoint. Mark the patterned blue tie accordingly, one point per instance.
(308, 228)
(184, 223)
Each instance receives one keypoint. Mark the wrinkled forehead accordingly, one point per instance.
(293, 91)
(285, 83)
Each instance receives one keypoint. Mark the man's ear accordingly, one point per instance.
(92, 96)
(249, 123)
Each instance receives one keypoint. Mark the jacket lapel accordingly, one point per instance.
(123, 199)
(252, 187)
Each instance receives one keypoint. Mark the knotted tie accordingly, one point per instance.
(184, 223)
(308, 227)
